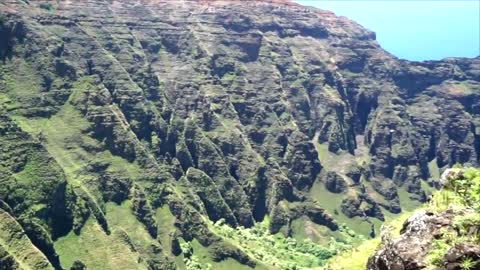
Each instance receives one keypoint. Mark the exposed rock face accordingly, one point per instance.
(410, 249)
(457, 255)
(218, 109)
(335, 183)
(450, 174)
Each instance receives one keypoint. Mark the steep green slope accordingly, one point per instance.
(16, 250)
(128, 129)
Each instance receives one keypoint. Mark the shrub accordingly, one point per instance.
(78, 265)
(46, 6)
(443, 199)
(435, 256)
(468, 225)
(466, 185)
(471, 187)
(461, 188)
(287, 252)
(468, 264)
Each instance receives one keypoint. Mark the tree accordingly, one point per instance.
(78, 265)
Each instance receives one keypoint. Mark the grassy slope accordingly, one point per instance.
(14, 241)
(203, 257)
(98, 250)
(331, 201)
(65, 141)
(356, 258)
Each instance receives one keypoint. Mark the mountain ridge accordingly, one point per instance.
(172, 114)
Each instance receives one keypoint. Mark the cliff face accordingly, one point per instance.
(178, 111)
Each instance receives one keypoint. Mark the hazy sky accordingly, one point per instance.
(415, 30)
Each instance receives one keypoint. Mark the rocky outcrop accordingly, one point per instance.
(142, 209)
(335, 183)
(417, 240)
(211, 198)
(456, 257)
(361, 205)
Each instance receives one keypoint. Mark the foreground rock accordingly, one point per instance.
(411, 249)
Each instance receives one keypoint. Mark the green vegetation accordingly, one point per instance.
(46, 6)
(125, 248)
(195, 256)
(98, 250)
(229, 77)
(462, 191)
(406, 202)
(356, 257)
(332, 202)
(466, 187)
(16, 245)
(469, 224)
(468, 264)
(433, 169)
(276, 250)
(125, 147)
(191, 261)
